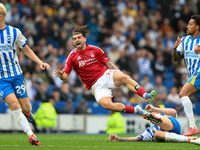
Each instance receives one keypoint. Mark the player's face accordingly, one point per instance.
(191, 27)
(79, 41)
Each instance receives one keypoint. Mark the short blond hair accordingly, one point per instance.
(3, 10)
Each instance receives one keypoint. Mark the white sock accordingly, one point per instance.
(187, 104)
(144, 95)
(29, 133)
(22, 121)
(173, 137)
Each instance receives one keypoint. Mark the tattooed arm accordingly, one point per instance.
(130, 139)
(110, 65)
(115, 138)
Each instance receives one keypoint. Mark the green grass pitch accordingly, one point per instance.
(84, 142)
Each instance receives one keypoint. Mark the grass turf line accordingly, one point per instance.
(83, 142)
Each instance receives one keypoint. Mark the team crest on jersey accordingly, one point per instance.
(92, 54)
(81, 63)
(79, 57)
(9, 37)
(1, 93)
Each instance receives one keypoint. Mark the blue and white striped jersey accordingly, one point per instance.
(9, 63)
(192, 60)
(148, 134)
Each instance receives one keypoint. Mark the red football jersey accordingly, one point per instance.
(89, 64)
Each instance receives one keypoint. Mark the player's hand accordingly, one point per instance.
(59, 73)
(178, 41)
(113, 138)
(197, 49)
(149, 108)
(44, 66)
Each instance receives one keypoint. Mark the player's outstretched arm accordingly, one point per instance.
(115, 138)
(30, 54)
(167, 111)
(175, 55)
(61, 74)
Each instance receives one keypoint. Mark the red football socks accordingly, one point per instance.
(141, 91)
(129, 109)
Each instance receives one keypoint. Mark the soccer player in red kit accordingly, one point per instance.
(99, 74)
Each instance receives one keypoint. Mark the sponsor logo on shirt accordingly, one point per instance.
(87, 62)
(81, 63)
(192, 54)
(5, 47)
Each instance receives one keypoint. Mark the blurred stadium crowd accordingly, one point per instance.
(137, 35)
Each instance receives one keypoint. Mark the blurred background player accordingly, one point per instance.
(89, 62)
(165, 129)
(187, 46)
(13, 87)
(116, 123)
(46, 116)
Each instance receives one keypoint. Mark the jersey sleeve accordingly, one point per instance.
(68, 64)
(21, 40)
(102, 56)
(179, 49)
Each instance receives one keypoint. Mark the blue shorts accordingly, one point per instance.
(15, 85)
(195, 81)
(177, 127)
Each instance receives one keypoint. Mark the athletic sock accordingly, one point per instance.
(192, 123)
(29, 133)
(187, 104)
(129, 109)
(22, 121)
(173, 137)
(141, 92)
(138, 111)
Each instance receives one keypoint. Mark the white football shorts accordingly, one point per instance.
(104, 85)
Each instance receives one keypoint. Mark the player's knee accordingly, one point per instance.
(158, 136)
(15, 106)
(26, 108)
(125, 79)
(107, 105)
(181, 94)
